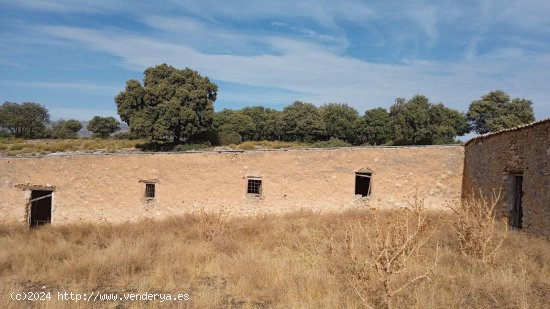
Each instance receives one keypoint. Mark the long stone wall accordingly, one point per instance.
(493, 163)
(111, 188)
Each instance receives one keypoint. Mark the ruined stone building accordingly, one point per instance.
(121, 187)
(129, 187)
(516, 164)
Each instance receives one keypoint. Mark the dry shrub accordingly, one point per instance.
(12, 147)
(383, 252)
(249, 145)
(479, 233)
(211, 225)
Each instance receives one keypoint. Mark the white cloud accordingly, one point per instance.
(426, 18)
(323, 12)
(311, 68)
(209, 37)
(222, 41)
(66, 6)
(81, 87)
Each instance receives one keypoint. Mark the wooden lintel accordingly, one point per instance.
(148, 180)
(35, 187)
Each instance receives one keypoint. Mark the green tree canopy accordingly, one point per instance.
(229, 120)
(339, 120)
(494, 112)
(303, 122)
(274, 126)
(446, 124)
(419, 122)
(260, 116)
(66, 128)
(172, 104)
(103, 126)
(374, 127)
(27, 119)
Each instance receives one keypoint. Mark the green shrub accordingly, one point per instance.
(281, 144)
(229, 137)
(65, 129)
(332, 142)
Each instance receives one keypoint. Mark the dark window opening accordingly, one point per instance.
(363, 184)
(254, 187)
(150, 190)
(41, 208)
(517, 195)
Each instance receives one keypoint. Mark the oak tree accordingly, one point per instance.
(172, 104)
(495, 111)
(303, 122)
(103, 127)
(339, 120)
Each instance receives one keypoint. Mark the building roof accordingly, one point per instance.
(521, 127)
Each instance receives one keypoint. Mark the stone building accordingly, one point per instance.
(516, 164)
(128, 187)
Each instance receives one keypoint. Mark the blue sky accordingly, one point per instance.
(75, 56)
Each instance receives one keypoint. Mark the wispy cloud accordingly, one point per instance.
(427, 19)
(82, 87)
(338, 42)
(67, 6)
(363, 54)
(308, 67)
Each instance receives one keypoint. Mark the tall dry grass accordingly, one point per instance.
(381, 252)
(479, 232)
(298, 260)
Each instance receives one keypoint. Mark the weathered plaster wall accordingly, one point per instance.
(491, 160)
(107, 188)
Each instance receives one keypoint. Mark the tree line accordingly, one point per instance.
(177, 106)
(30, 120)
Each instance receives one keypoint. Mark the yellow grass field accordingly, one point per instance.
(299, 260)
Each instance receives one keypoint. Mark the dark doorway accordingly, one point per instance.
(41, 208)
(363, 184)
(517, 195)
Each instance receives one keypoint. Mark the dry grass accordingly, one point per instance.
(16, 146)
(10, 146)
(479, 233)
(382, 253)
(299, 260)
(252, 145)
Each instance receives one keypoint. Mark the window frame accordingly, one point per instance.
(148, 190)
(257, 186)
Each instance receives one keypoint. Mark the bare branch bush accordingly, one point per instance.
(211, 225)
(479, 232)
(382, 249)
